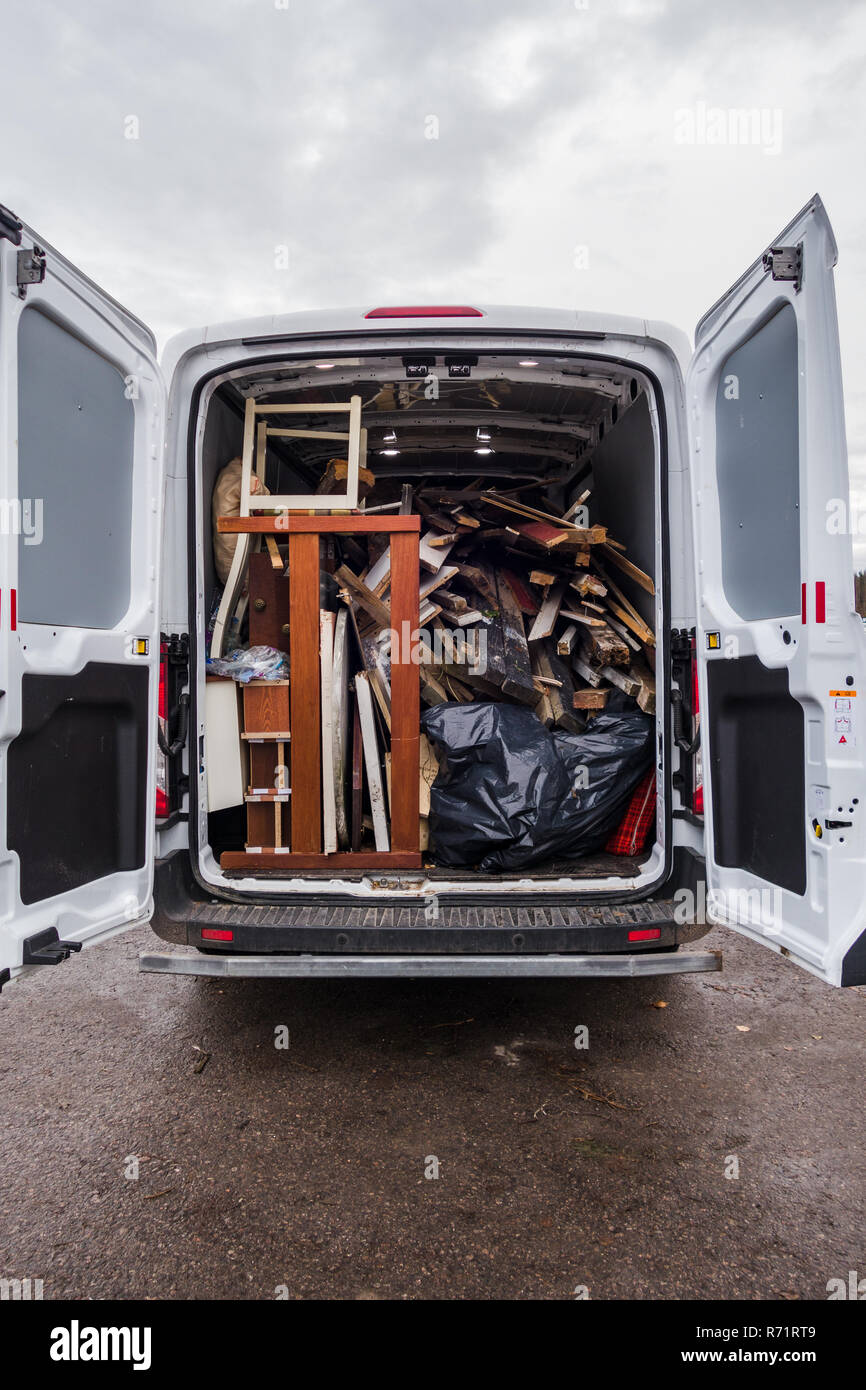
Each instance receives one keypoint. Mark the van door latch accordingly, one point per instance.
(786, 263)
(31, 269)
(46, 948)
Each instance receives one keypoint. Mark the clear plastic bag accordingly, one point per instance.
(251, 664)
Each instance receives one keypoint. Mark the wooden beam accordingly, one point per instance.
(297, 523)
(405, 709)
(305, 710)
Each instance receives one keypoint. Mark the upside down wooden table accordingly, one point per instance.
(306, 848)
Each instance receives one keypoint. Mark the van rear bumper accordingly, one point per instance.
(271, 967)
(513, 925)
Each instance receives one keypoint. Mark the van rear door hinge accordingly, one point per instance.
(31, 269)
(46, 948)
(786, 263)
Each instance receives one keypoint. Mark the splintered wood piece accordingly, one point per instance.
(433, 581)
(543, 578)
(447, 538)
(583, 618)
(336, 475)
(638, 626)
(547, 614)
(586, 583)
(306, 710)
(363, 595)
(585, 672)
(628, 568)
(326, 657)
(566, 640)
(482, 579)
(646, 696)
(624, 633)
(517, 670)
(590, 699)
(430, 558)
(540, 533)
(608, 649)
(525, 600)
(547, 666)
(624, 682)
(432, 691)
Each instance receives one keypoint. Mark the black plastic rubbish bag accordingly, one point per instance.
(511, 793)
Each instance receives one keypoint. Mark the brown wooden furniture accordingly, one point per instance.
(306, 852)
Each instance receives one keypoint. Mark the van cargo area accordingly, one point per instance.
(538, 486)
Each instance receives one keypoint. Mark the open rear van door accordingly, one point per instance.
(82, 406)
(780, 647)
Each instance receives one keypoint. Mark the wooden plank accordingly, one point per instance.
(646, 696)
(517, 680)
(274, 552)
(298, 524)
(359, 591)
(560, 687)
(624, 682)
(405, 708)
(326, 685)
(357, 779)
(608, 649)
(583, 618)
(590, 699)
(542, 577)
(525, 599)
(547, 614)
(585, 672)
(271, 859)
(628, 568)
(371, 761)
(306, 711)
(566, 639)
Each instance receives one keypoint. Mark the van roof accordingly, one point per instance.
(488, 317)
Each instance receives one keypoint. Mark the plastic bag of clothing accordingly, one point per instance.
(511, 793)
(251, 664)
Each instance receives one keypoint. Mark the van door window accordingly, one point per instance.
(758, 464)
(75, 430)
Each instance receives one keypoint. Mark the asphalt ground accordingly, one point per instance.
(707, 1143)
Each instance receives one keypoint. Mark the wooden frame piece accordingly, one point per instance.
(307, 850)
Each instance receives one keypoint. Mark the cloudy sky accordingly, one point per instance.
(220, 158)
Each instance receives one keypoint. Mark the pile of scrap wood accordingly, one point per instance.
(517, 602)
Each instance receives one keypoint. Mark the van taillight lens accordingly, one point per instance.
(427, 311)
(645, 934)
(216, 934)
(162, 806)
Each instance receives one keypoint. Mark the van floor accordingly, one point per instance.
(591, 866)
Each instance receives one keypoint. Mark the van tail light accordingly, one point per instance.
(162, 804)
(426, 311)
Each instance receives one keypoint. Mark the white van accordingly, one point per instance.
(723, 472)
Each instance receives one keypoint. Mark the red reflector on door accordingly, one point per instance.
(646, 934)
(803, 607)
(216, 934)
(427, 311)
(820, 602)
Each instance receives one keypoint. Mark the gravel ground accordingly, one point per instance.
(304, 1168)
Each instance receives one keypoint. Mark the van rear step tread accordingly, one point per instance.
(432, 914)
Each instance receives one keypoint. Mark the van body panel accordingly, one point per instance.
(83, 407)
(780, 647)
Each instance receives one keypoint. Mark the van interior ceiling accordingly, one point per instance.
(536, 488)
